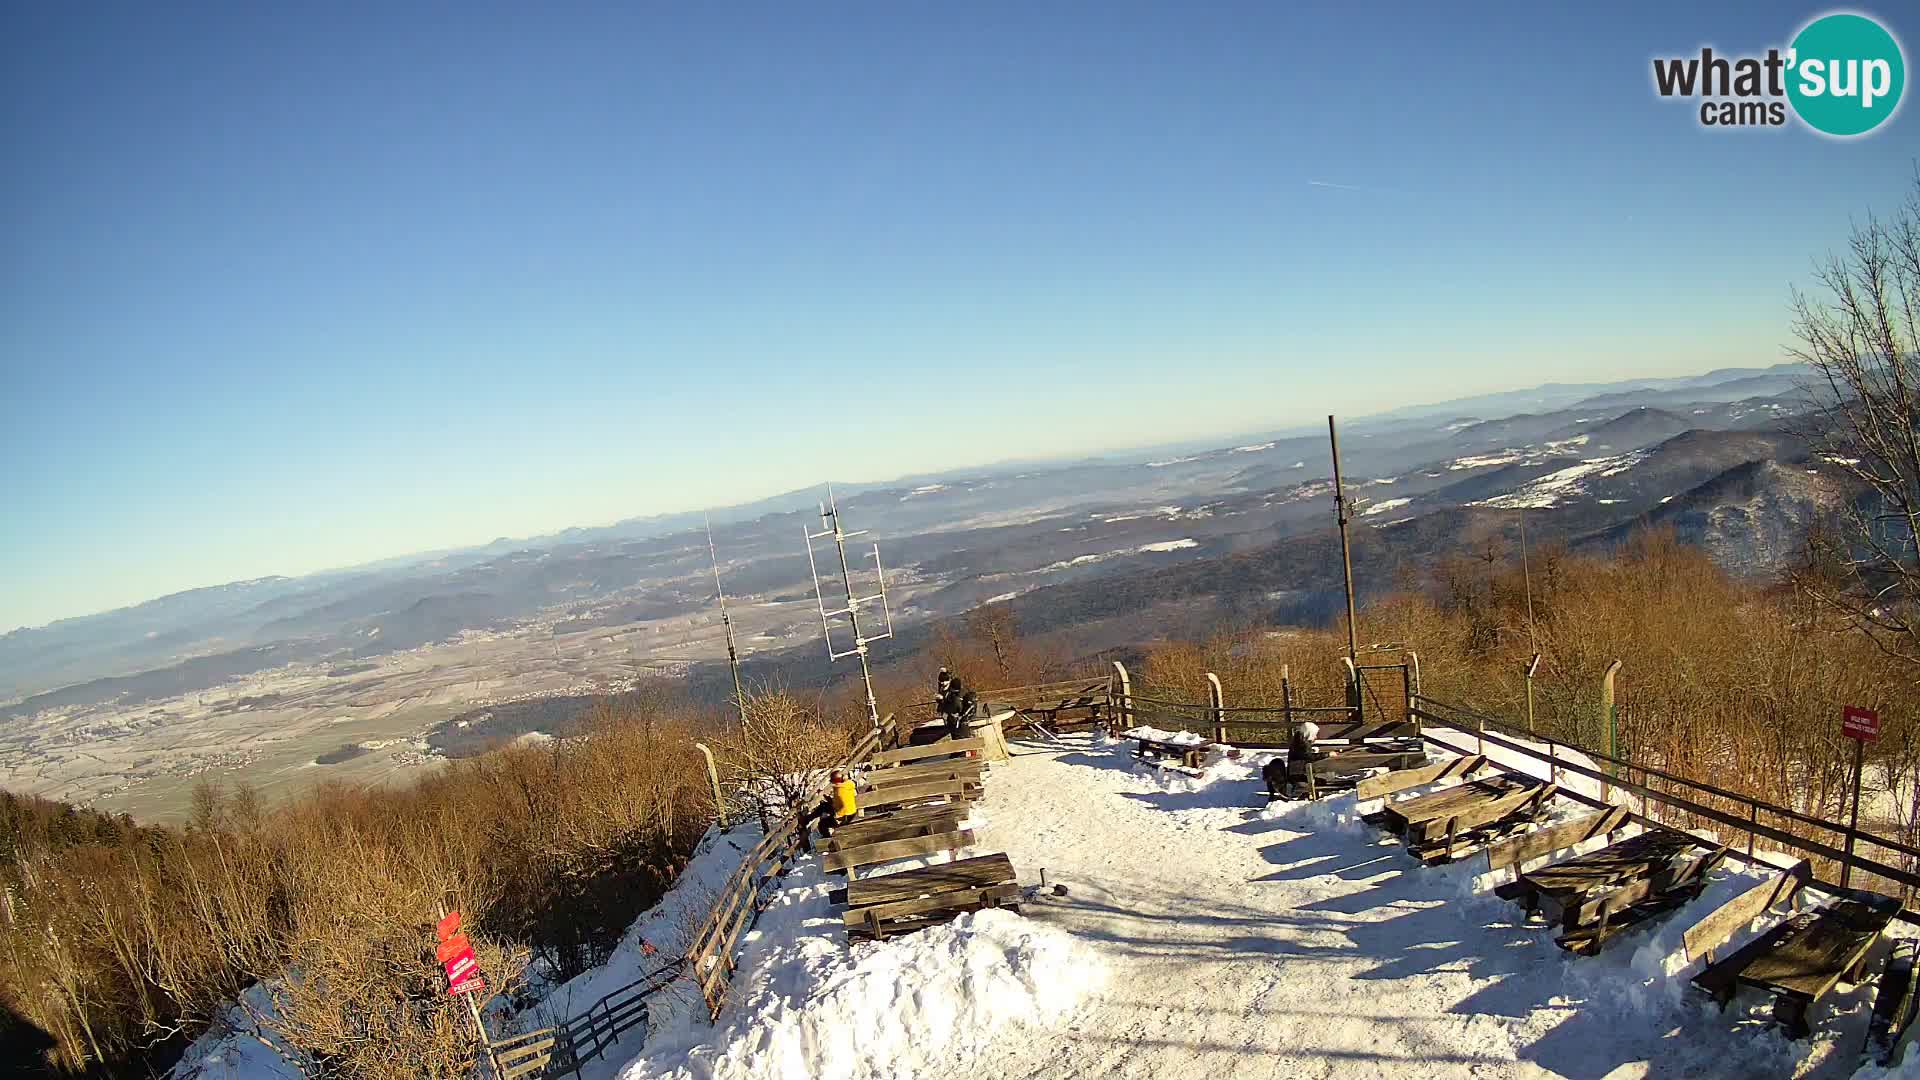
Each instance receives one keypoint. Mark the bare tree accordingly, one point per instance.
(1859, 330)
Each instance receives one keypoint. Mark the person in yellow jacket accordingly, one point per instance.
(841, 805)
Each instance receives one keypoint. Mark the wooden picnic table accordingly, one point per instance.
(1806, 956)
(1560, 885)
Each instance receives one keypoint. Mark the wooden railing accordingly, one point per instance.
(1681, 801)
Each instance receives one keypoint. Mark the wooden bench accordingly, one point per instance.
(1803, 958)
(948, 790)
(901, 903)
(848, 860)
(950, 769)
(871, 827)
(1190, 754)
(1379, 787)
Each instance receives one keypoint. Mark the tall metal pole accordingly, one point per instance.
(1853, 823)
(733, 654)
(1346, 549)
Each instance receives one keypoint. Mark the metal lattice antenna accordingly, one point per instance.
(726, 622)
(830, 517)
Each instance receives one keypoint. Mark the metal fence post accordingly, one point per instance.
(1217, 705)
(713, 778)
(1353, 690)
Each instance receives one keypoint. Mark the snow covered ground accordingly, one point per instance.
(1201, 935)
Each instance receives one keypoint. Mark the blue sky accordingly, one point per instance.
(290, 289)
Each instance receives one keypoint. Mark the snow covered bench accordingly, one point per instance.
(1151, 743)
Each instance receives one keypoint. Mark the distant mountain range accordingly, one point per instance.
(1711, 455)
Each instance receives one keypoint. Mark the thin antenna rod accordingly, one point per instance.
(1346, 550)
(733, 654)
(830, 517)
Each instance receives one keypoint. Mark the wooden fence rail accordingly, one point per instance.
(1686, 797)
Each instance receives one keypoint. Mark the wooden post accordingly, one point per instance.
(1353, 689)
(713, 778)
(1286, 700)
(1553, 763)
(1123, 709)
(1217, 706)
(1753, 820)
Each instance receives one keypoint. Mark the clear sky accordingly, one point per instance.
(292, 286)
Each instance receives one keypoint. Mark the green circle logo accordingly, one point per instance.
(1846, 74)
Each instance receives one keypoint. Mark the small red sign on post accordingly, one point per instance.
(1859, 723)
(456, 955)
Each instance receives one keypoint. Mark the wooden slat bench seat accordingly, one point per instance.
(848, 860)
(944, 748)
(951, 791)
(1803, 958)
(909, 900)
(871, 827)
(1376, 787)
(950, 769)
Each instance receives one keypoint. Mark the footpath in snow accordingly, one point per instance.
(1200, 936)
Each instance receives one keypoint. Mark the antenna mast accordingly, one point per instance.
(830, 519)
(726, 622)
(1346, 552)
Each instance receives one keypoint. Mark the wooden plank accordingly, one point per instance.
(1807, 963)
(909, 793)
(974, 897)
(1554, 837)
(1355, 759)
(994, 869)
(1375, 787)
(943, 748)
(969, 768)
(889, 850)
(1709, 933)
(916, 821)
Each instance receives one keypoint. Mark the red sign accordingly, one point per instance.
(1859, 723)
(463, 971)
(456, 955)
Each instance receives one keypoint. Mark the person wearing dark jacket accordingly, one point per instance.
(955, 705)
